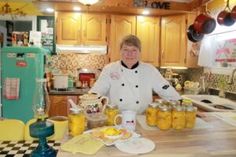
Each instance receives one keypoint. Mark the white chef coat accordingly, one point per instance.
(131, 89)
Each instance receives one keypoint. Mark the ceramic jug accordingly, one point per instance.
(93, 103)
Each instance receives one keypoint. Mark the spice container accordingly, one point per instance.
(151, 114)
(77, 122)
(164, 117)
(178, 117)
(111, 111)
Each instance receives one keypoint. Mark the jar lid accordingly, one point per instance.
(164, 107)
(187, 102)
(154, 104)
(112, 106)
(178, 108)
(190, 108)
(76, 111)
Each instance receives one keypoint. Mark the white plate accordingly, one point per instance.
(135, 145)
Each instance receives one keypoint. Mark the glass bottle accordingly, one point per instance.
(41, 101)
(178, 117)
(111, 111)
(77, 122)
(164, 120)
(151, 114)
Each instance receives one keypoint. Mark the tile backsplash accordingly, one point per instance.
(70, 62)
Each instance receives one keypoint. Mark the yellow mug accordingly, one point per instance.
(60, 127)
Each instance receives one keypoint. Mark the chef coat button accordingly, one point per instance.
(122, 84)
(122, 70)
(137, 102)
(121, 100)
(136, 71)
(136, 86)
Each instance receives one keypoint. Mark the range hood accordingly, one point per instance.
(98, 49)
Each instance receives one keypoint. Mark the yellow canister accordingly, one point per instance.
(164, 117)
(178, 117)
(111, 111)
(77, 122)
(151, 114)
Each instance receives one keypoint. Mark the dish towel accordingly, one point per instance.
(11, 88)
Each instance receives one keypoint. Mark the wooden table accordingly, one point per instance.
(219, 140)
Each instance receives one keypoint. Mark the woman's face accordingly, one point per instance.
(129, 55)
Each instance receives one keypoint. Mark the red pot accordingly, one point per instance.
(233, 13)
(224, 18)
(204, 24)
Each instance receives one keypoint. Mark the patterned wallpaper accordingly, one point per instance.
(70, 62)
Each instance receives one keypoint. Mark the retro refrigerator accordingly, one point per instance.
(23, 64)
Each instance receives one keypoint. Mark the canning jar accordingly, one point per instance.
(151, 114)
(77, 122)
(190, 112)
(164, 117)
(111, 111)
(178, 117)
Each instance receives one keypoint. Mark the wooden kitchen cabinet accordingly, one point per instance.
(120, 27)
(148, 31)
(59, 105)
(176, 49)
(77, 28)
(173, 40)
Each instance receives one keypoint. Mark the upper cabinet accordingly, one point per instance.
(175, 47)
(173, 40)
(148, 31)
(120, 27)
(77, 28)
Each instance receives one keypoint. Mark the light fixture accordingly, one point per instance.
(50, 10)
(88, 2)
(76, 8)
(145, 12)
(6, 9)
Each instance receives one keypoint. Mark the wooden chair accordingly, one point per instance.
(11, 130)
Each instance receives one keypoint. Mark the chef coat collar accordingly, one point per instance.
(133, 67)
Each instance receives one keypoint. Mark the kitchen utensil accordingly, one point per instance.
(60, 81)
(224, 17)
(193, 35)
(204, 23)
(233, 13)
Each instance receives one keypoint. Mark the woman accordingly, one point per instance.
(129, 83)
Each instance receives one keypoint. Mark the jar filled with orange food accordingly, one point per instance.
(151, 114)
(111, 111)
(178, 117)
(77, 122)
(164, 117)
(190, 112)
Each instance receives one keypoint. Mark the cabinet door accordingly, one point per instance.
(173, 40)
(68, 28)
(148, 31)
(94, 29)
(120, 27)
(59, 105)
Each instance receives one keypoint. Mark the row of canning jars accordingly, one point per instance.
(78, 121)
(166, 115)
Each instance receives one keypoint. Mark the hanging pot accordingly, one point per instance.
(193, 35)
(233, 13)
(224, 18)
(204, 24)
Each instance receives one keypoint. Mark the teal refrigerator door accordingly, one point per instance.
(27, 64)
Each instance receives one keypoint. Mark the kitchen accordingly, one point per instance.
(116, 19)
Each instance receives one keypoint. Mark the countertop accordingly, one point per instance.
(218, 139)
(69, 91)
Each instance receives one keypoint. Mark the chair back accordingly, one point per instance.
(11, 130)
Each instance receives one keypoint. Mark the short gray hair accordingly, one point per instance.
(131, 40)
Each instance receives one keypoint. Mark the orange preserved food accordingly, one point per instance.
(164, 117)
(151, 114)
(77, 122)
(178, 117)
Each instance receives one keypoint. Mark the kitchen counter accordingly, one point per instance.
(70, 91)
(217, 139)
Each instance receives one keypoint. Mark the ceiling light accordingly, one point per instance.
(50, 10)
(88, 2)
(145, 12)
(76, 8)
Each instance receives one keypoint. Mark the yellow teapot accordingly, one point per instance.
(93, 103)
